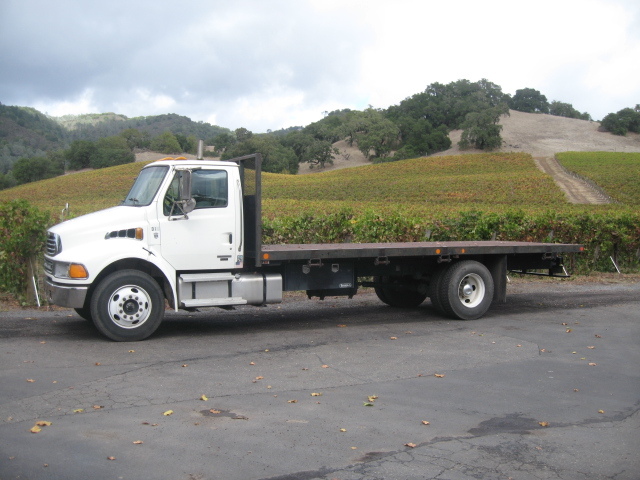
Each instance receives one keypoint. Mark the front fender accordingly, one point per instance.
(112, 257)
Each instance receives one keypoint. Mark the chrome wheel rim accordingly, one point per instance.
(129, 306)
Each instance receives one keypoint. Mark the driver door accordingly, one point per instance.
(206, 238)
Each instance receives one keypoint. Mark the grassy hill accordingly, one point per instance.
(462, 181)
(460, 197)
(424, 186)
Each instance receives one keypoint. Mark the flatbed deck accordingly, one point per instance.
(411, 249)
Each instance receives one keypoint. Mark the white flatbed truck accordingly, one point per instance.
(189, 232)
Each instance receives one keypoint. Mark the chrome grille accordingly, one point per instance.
(54, 246)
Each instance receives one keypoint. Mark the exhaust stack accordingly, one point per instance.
(200, 155)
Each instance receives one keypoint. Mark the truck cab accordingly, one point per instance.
(179, 234)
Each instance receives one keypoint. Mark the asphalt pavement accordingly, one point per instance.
(546, 386)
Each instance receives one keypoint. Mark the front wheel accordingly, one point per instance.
(465, 290)
(85, 313)
(127, 306)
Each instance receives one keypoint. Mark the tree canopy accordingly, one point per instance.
(529, 100)
(623, 121)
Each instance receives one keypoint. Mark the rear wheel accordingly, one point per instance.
(465, 290)
(127, 306)
(401, 293)
(434, 285)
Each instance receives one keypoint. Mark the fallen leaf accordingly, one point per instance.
(354, 448)
(569, 330)
(592, 364)
(97, 407)
(204, 398)
(252, 363)
(97, 364)
(259, 378)
(132, 351)
(316, 394)
(372, 398)
(240, 417)
(597, 336)
(341, 326)
(111, 458)
(393, 338)
(591, 347)
(439, 375)
(185, 365)
(167, 413)
(214, 411)
(600, 411)
(325, 366)
(292, 401)
(576, 390)
(30, 380)
(343, 429)
(424, 422)
(518, 345)
(367, 404)
(138, 442)
(564, 323)
(35, 429)
(78, 410)
(43, 423)
(410, 445)
(543, 424)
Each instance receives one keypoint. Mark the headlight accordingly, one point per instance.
(74, 271)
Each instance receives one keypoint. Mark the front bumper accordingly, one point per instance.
(65, 295)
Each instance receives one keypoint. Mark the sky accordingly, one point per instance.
(270, 64)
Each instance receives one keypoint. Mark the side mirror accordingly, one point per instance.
(185, 185)
(187, 204)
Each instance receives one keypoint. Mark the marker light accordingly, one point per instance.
(77, 270)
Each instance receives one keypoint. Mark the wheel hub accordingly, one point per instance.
(467, 290)
(129, 306)
(471, 290)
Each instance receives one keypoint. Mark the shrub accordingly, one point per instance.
(22, 237)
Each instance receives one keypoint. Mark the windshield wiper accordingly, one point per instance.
(134, 200)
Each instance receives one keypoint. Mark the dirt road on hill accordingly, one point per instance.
(576, 189)
(545, 135)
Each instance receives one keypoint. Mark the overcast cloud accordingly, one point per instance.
(263, 64)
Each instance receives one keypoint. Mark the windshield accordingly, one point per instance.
(146, 186)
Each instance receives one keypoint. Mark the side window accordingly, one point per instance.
(209, 188)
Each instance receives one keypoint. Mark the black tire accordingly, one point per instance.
(127, 306)
(436, 280)
(84, 313)
(465, 290)
(401, 295)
